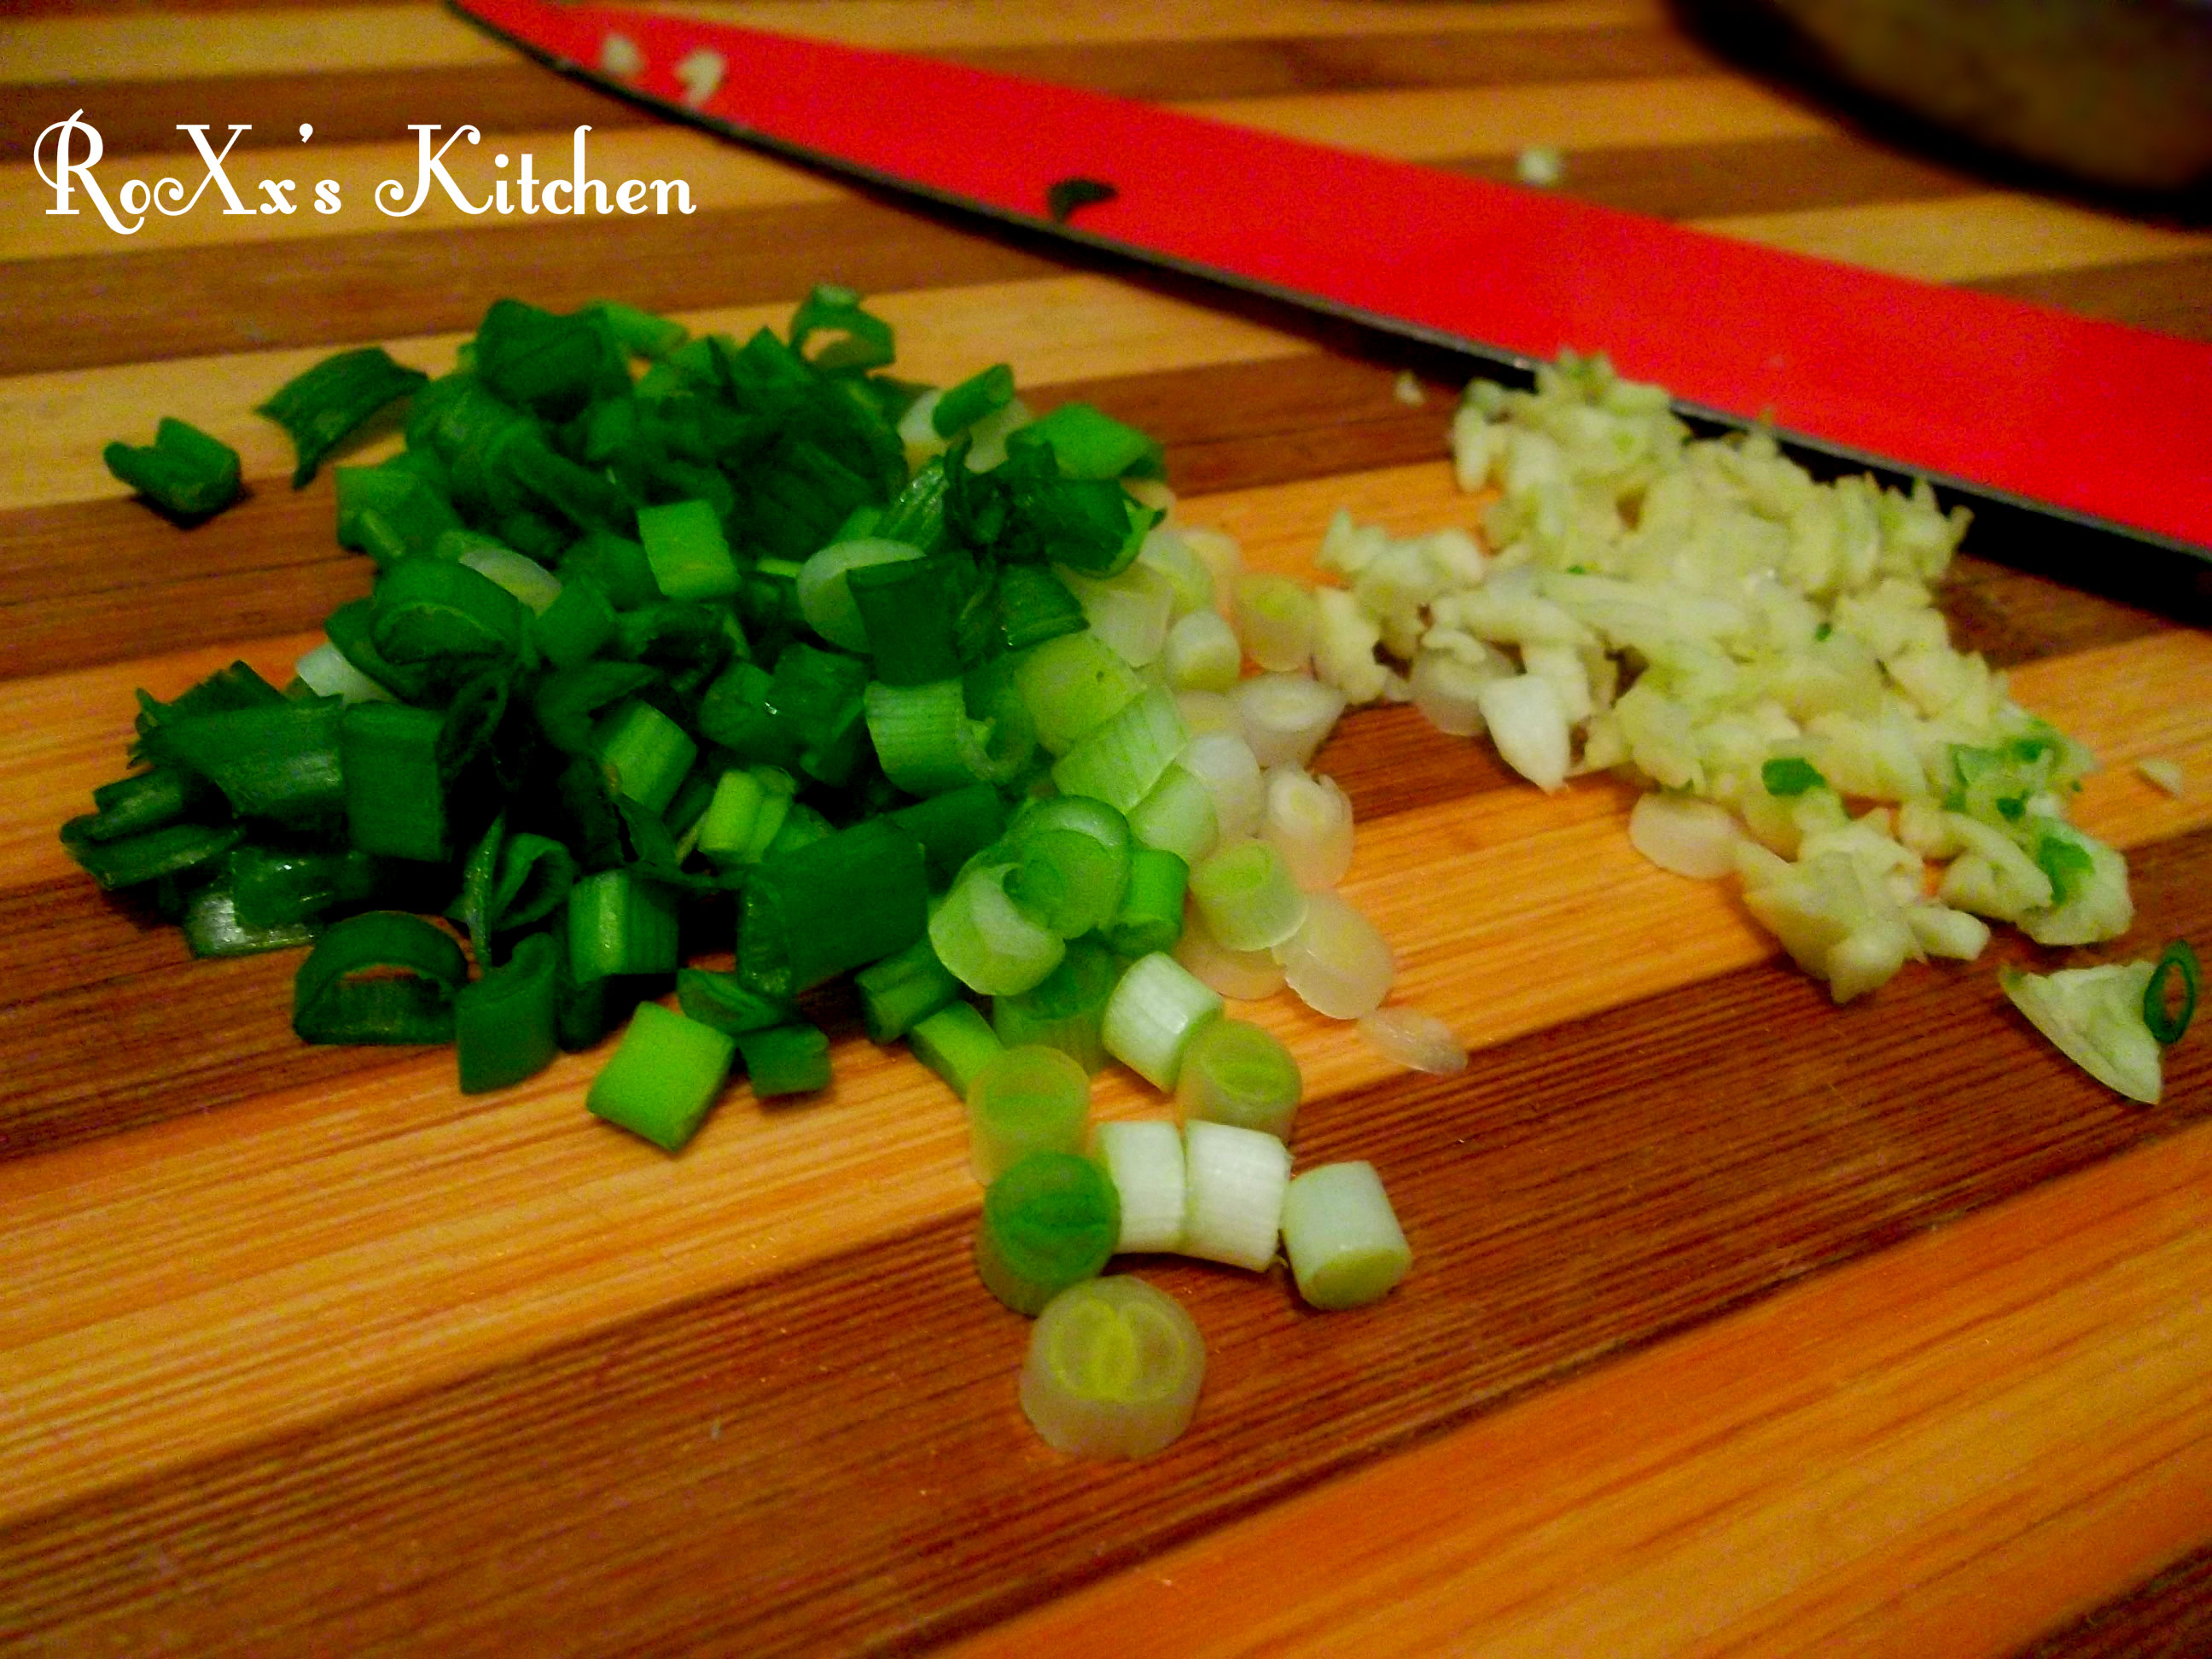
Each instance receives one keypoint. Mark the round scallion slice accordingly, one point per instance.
(1345, 1247)
(1234, 1183)
(1050, 1221)
(1233, 1072)
(1028, 1099)
(986, 941)
(1152, 1015)
(1247, 894)
(1115, 1368)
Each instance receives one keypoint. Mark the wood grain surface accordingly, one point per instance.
(1741, 1323)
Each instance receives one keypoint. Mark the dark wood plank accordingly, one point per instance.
(190, 301)
(2173, 296)
(2168, 1616)
(1268, 66)
(1768, 175)
(834, 1462)
(365, 106)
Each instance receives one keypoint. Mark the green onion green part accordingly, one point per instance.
(503, 1024)
(1028, 1099)
(1346, 1246)
(2176, 963)
(792, 1059)
(663, 1077)
(955, 1042)
(380, 976)
(1050, 1221)
(1235, 1071)
(183, 471)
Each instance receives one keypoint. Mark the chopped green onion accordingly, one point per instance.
(2178, 963)
(1150, 914)
(1130, 612)
(1285, 716)
(1202, 653)
(925, 740)
(1120, 761)
(280, 760)
(427, 609)
(1236, 1180)
(1235, 1071)
(130, 861)
(323, 407)
(1073, 684)
(1070, 863)
(955, 1042)
(1790, 775)
(395, 787)
(1248, 895)
(1049, 1222)
(1028, 1099)
(867, 339)
(1066, 1009)
(825, 594)
(1178, 816)
(792, 1059)
(184, 470)
(727, 1003)
(982, 394)
(1310, 821)
(1337, 962)
(621, 921)
(1115, 1368)
(645, 754)
(503, 1024)
(903, 988)
(837, 904)
(1144, 1160)
(1089, 444)
(953, 827)
(909, 613)
(1034, 607)
(1240, 976)
(1277, 618)
(985, 940)
(1152, 1015)
(1346, 1246)
(663, 1077)
(689, 555)
(381, 977)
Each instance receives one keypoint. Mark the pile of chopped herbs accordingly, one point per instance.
(607, 710)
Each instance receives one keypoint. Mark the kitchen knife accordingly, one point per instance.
(2104, 425)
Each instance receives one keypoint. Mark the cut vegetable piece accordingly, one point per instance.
(1240, 976)
(727, 1003)
(839, 903)
(1276, 618)
(1090, 444)
(663, 1078)
(1337, 962)
(825, 595)
(1236, 1180)
(183, 471)
(645, 754)
(1178, 816)
(2096, 1016)
(621, 921)
(1150, 914)
(1120, 761)
(1070, 863)
(1235, 1071)
(1115, 1369)
(1049, 1222)
(791, 1059)
(902, 988)
(1065, 1009)
(1144, 1160)
(1687, 836)
(1285, 716)
(1201, 652)
(381, 977)
(2173, 978)
(1073, 683)
(1346, 1246)
(1030, 1099)
(1248, 896)
(503, 1024)
(1529, 724)
(1152, 1015)
(986, 940)
(323, 406)
(1224, 761)
(1309, 819)
(689, 555)
(1418, 1040)
(955, 1042)
(1130, 612)
(395, 787)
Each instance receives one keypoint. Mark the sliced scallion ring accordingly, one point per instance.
(2179, 961)
(1115, 1368)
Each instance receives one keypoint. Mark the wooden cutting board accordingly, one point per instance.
(1739, 1321)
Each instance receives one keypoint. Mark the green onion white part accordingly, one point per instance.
(1115, 1368)
(1235, 1071)
(527, 579)
(1028, 1099)
(1201, 652)
(1153, 1013)
(1248, 896)
(1276, 618)
(1145, 1162)
(1309, 819)
(1345, 1247)
(1178, 816)
(1240, 976)
(825, 598)
(1418, 1040)
(1235, 1179)
(1337, 962)
(1285, 716)
(1129, 612)
(1225, 764)
(1167, 551)
(325, 672)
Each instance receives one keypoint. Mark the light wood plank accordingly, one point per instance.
(1962, 239)
(1435, 124)
(145, 46)
(1057, 329)
(124, 1352)
(1943, 1450)
(718, 175)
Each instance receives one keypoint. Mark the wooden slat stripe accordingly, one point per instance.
(2169, 1615)
(1967, 1501)
(142, 46)
(108, 1373)
(1966, 238)
(1055, 328)
(717, 176)
(1569, 1202)
(2172, 295)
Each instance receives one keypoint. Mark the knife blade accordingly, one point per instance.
(2067, 420)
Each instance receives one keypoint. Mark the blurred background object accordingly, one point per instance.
(2116, 93)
